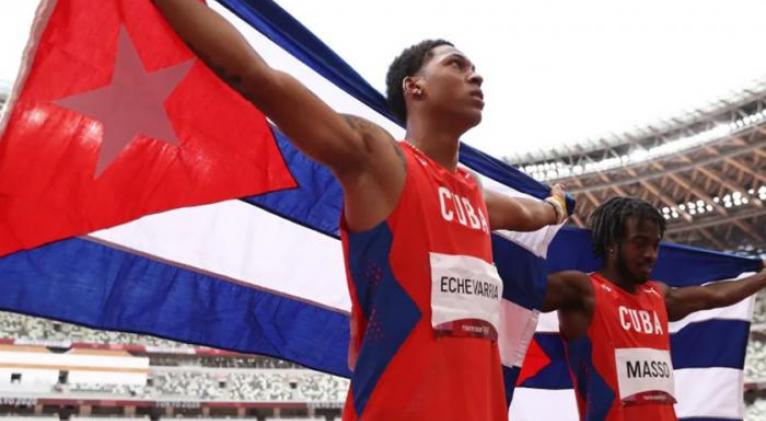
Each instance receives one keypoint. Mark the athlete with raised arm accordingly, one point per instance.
(415, 229)
(615, 320)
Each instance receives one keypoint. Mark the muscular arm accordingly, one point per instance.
(680, 302)
(342, 143)
(571, 294)
(518, 213)
(568, 290)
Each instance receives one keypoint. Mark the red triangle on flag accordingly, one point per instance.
(535, 360)
(114, 119)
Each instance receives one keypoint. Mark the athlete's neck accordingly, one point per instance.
(615, 276)
(439, 143)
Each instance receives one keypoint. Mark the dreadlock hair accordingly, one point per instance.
(408, 63)
(609, 219)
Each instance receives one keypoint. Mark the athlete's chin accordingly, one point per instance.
(642, 277)
(642, 273)
(473, 118)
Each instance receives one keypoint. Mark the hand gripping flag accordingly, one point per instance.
(113, 118)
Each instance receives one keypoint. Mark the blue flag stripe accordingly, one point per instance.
(523, 273)
(87, 283)
(698, 344)
(677, 266)
(317, 200)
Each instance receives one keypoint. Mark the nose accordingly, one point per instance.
(651, 254)
(475, 78)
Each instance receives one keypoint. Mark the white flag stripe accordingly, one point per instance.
(517, 326)
(707, 392)
(543, 404)
(536, 242)
(742, 310)
(548, 323)
(280, 59)
(210, 238)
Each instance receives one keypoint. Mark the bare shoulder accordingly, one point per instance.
(475, 176)
(373, 189)
(575, 313)
(568, 290)
(578, 283)
(377, 141)
(367, 127)
(664, 289)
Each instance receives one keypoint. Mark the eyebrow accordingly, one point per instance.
(457, 55)
(461, 57)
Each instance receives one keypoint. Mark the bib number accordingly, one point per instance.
(645, 375)
(465, 296)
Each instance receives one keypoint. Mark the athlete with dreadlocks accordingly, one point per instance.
(615, 320)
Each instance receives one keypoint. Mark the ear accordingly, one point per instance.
(412, 86)
(612, 250)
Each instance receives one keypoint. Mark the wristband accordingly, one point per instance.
(555, 202)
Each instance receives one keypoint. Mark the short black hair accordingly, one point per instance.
(609, 219)
(408, 63)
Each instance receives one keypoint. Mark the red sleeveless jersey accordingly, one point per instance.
(622, 368)
(425, 304)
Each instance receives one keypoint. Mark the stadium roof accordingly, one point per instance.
(667, 130)
(706, 171)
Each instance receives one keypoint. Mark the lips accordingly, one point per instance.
(647, 268)
(479, 97)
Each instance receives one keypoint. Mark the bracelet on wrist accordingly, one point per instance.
(557, 212)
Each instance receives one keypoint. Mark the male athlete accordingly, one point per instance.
(415, 227)
(615, 320)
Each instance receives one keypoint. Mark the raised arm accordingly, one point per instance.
(680, 302)
(343, 143)
(522, 214)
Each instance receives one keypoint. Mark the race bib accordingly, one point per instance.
(645, 375)
(465, 296)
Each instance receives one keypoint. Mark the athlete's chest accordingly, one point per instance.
(631, 337)
(452, 205)
(631, 319)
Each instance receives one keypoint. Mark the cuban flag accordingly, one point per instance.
(139, 193)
